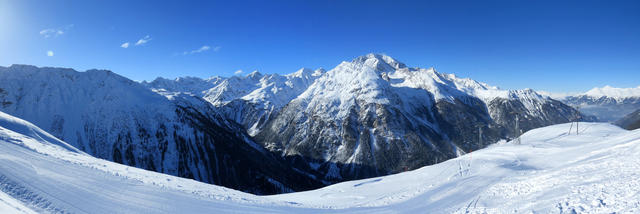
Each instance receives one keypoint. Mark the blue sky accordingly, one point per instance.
(558, 46)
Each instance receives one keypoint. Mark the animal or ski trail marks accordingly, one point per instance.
(27, 196)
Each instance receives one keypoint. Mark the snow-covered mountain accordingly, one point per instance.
(276, 133)
(607, 103)
(193, 85)
(550, 172)
(114, 118)
(250, 100)
(375, 116)
(372, 116)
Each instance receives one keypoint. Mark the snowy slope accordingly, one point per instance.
(9, 204)
(44, 176)
(550, 172)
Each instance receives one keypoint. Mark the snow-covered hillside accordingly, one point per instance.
(111, 117)
(40, 173)
(550, 172)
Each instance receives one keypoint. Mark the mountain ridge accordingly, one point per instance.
(367, 117)
(114, 118)
(608, 104)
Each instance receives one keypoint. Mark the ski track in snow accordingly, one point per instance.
(551, 172)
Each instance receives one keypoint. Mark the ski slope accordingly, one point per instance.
(550, 172)
(50, 177)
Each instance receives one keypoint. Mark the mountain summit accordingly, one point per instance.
(374, 116)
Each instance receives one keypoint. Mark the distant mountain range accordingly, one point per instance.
(276, 133)
(608, 104)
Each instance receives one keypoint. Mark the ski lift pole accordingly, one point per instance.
(577, 119)
(517, 128)
(479, 125)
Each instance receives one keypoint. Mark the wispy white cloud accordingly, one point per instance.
(144, 40)
(55, 32)
(238, 72)
(125, 45)
(201, 49)
(51, 32)
(49, 53)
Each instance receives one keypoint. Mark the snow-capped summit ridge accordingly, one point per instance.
(379, 62)
(254, 75)
(443, 86)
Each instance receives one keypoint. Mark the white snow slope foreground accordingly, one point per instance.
(551, 172)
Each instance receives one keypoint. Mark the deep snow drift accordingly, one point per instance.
(550, 172)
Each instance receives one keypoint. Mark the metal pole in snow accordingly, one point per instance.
(517, 130)
(577, 118)
(570, 127)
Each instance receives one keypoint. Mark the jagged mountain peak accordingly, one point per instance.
(382, 58)
(254, 75)
(379, 62)
(306, 72)
(376, 72)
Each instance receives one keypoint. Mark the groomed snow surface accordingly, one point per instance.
(596, 171)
